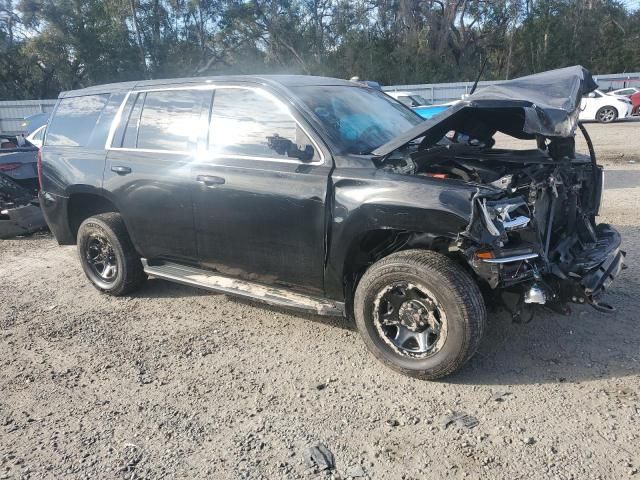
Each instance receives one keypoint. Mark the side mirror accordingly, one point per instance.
(591, 95)
(284, 146)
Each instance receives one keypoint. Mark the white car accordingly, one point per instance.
(604, 108)
(36, 137)
(625, 92)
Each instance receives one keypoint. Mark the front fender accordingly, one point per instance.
(381, 201)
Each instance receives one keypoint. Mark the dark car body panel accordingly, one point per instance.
(266, 222)
(56, 213)
(367, 199)
(155, 201)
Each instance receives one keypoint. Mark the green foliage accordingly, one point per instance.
(52, 45)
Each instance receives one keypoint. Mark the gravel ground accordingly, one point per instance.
(174, 382)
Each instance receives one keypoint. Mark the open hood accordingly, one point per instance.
(544, 104)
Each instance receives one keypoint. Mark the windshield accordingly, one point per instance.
(358, 119)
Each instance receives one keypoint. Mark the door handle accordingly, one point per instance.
(120, 170)
(210, 180)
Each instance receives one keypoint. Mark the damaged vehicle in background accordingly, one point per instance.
(19, 210)
(327, 196)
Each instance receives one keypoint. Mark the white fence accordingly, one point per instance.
(13, 112)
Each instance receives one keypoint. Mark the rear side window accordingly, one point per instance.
(168, 120)
(249, 122)
(75, 119)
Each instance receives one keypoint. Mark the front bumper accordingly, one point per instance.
(578, 273)
(602, 263)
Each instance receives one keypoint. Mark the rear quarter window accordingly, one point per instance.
(75, 119)
(171, 120)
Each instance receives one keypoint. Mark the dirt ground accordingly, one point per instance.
(174, 382)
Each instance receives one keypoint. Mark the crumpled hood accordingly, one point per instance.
(545, 104)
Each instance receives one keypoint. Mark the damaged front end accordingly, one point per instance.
(532, 229)
(536, 235)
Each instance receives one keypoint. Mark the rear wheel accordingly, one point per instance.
(420, 313)
(606, 114)
(107, 255)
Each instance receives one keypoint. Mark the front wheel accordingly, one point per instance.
(606, 114)
(420, 313)
(107, 255)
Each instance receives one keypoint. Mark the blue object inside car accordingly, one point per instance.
(429, 111)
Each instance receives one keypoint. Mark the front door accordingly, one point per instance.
(148, 169)
(261, 197)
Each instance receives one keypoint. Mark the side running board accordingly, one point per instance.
(208, 280)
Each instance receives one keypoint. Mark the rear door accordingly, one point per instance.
(261, 196)
(148, 169)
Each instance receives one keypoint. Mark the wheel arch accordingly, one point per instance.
(83, 204)
(377, 243)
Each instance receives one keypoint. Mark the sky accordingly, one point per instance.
(632, 4)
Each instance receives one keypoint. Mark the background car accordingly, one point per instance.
(625, 92)
(31, 123)
(635, 103)
(18, 161)
(604, 108)
(633, 94)
(419, 104)
(20, 212)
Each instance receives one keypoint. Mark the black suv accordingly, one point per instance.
(329, 196)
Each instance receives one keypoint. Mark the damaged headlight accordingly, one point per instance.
(499, 215)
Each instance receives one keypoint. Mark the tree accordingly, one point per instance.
(52, 45)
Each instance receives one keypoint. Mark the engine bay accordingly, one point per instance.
(533, 228)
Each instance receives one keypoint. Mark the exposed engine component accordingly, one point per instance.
(533, 222)
(535, 294)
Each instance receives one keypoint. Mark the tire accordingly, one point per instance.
(432, 280)
(607, 114)
(109, 229)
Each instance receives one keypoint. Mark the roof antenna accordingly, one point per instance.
(475, 84)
